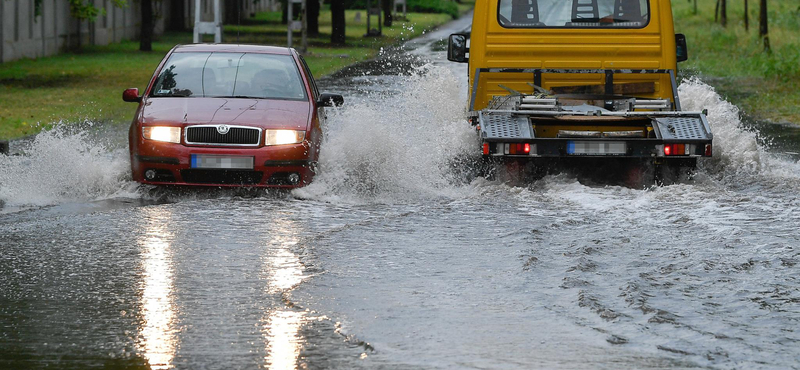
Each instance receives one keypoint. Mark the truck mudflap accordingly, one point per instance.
(665, 134)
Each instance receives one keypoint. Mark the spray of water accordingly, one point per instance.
(396, 146)
(738, 156)
(407, 144)
(64, 164)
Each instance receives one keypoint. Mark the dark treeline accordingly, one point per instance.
(721, 16)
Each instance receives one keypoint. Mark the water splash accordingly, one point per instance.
(65, 164)
(396, 146)
(738, 156)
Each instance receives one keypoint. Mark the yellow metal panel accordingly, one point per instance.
(493, 46)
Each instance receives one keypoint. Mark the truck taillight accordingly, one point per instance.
(485, 148)
(709, 150)
(515, 149)
(519, 148)
(675, 149)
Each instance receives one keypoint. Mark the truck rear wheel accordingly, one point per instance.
(674, 171)
(516, 171)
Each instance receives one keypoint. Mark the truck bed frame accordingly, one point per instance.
(657, 128)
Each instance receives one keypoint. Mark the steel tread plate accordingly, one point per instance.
(505, 126)
(682, 128)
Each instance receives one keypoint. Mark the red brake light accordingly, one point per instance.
(709, 150)
(485, 148)
(675, 149)
(527, 148)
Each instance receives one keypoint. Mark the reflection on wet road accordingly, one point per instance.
(283, 272)
(158, 307)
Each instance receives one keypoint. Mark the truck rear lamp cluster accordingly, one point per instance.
(678, 149)
(511, 149)
(516, 149)
(709, 150)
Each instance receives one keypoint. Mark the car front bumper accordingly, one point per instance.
(160, 163)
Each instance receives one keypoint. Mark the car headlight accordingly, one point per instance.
(162, 133)
(283, 137)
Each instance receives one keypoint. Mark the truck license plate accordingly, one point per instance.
(596, 148)
(222, 162)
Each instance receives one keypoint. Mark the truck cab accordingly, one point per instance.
(579, 79)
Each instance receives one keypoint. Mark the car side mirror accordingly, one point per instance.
(330, 100)
(457, 48)
(131, 95)
(682, 51)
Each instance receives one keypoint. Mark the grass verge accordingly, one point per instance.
(87, 85)
(764, 85)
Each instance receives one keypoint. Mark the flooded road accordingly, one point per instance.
(394, 259)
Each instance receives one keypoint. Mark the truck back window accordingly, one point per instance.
(574, 13)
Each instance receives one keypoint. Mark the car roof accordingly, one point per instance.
(238, 48)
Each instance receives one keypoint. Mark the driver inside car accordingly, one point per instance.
(270, 83)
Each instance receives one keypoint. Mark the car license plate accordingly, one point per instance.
(222, 162)
(596, 148)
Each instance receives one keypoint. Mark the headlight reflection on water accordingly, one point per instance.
(158, 341)
(282, 272)
(284, 341)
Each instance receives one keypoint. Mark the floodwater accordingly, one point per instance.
(394, 259)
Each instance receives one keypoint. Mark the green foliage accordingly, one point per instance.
(37, 7)
(427, 6)
(418, 6)
(82, 10)
(784, 62)
(764, 85)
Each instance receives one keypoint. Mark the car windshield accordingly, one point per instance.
(573, 13)
(230, 75)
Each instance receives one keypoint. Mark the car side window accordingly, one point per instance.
(314, 88)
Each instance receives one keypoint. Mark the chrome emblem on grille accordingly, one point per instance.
(223, 129)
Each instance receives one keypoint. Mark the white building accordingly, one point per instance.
(23, 34)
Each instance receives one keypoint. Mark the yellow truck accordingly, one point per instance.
(574, 80)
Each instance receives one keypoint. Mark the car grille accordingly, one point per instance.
(227, 177)
(236, 136)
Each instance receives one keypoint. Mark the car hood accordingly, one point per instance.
(262, 113)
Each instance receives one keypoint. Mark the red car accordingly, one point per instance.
(228, 115)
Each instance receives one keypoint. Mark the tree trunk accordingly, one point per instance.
(177, 20)
(716, 13)
(337, 22)
(80, 39)
(763, 29)
(146, 32)
(724, 13)
(312, 14)
(695, 7)
(746, 17)
(284, 12)
(233, 11)
(387, 12)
